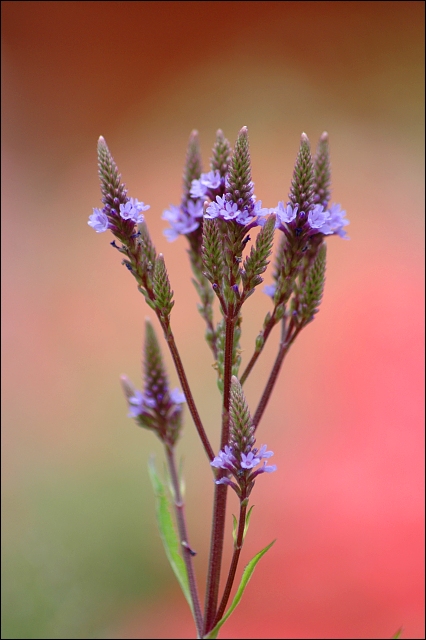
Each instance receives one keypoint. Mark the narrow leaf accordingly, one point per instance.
(246, 525)
(397, 634)
(234, 529)
(168, 532)
(244, 581)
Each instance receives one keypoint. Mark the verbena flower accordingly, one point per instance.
(284, 214)
(240, 457)
(206, 184)
(326, 221)
(241, 466)
(183, 219)
(99, 221)
(222, 209)
(337, 221)
(138, 403)
(270, 289)
(317, 219)
(132, 210)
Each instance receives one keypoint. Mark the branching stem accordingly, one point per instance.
(186, 550)
(186, 389)
(234, 563)
(287, 338)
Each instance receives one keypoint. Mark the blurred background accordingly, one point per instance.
(81, 554)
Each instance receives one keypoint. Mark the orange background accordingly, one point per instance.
(81, 556)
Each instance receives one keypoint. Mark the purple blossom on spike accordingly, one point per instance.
(270, 289)
(132, 210)
(318, 218)
(222, 209)
(337, 221)
(183, 219)
(206, 183)
(240, 458)
(157, 407)
(99, 221)
(227, 459)
(177, 396)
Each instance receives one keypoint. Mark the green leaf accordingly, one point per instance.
(397, 634)
(246, 525)
(244, 581)
(168, 532)
(234, 529)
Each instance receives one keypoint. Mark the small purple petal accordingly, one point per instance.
(177, 396)
(98, 220)
(270, 289)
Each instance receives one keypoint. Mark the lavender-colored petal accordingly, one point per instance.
(285, 213)
(177, 396)
(269, 469)
(98, 220)
(171, 234)
(318, 219)
(262, 453)
(270, 289)
(249, 461)
(136, 404)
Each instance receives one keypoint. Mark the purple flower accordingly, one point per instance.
(132, 210)
(258, 212)
(318, 219)
(285, 214)
(139, 404)
(228, 460)
(270, 289)
(222, 209)
(183, 219)
(249, 461)
(225, 459)
(337, 221)
(99, 221)
(177, 396)
(207, 181)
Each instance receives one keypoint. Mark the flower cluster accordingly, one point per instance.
(240, 465)
(216, 211)
(228, 210)
(183, 219)
(131, 210)
(239, 457)
(157, 407)
(208, 186)
(320, 220)
(142, 404)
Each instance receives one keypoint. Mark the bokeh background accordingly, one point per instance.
(81, 555)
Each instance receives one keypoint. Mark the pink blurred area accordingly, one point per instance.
(346, 422)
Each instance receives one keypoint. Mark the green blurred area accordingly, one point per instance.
(73, 554)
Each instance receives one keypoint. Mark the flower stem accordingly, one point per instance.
(286, 341)
(186, 549)
(219, 506)
(187, 391)
(268, 328)
(234, 563)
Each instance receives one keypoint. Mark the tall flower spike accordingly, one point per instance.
(240, 458)
(302, 184)
(322, 172)
(193, 164)
(240, 186)
(308, 296)
(163, 293)
(166, 405)
(113, 190)
(242, 429)
(221, 154)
